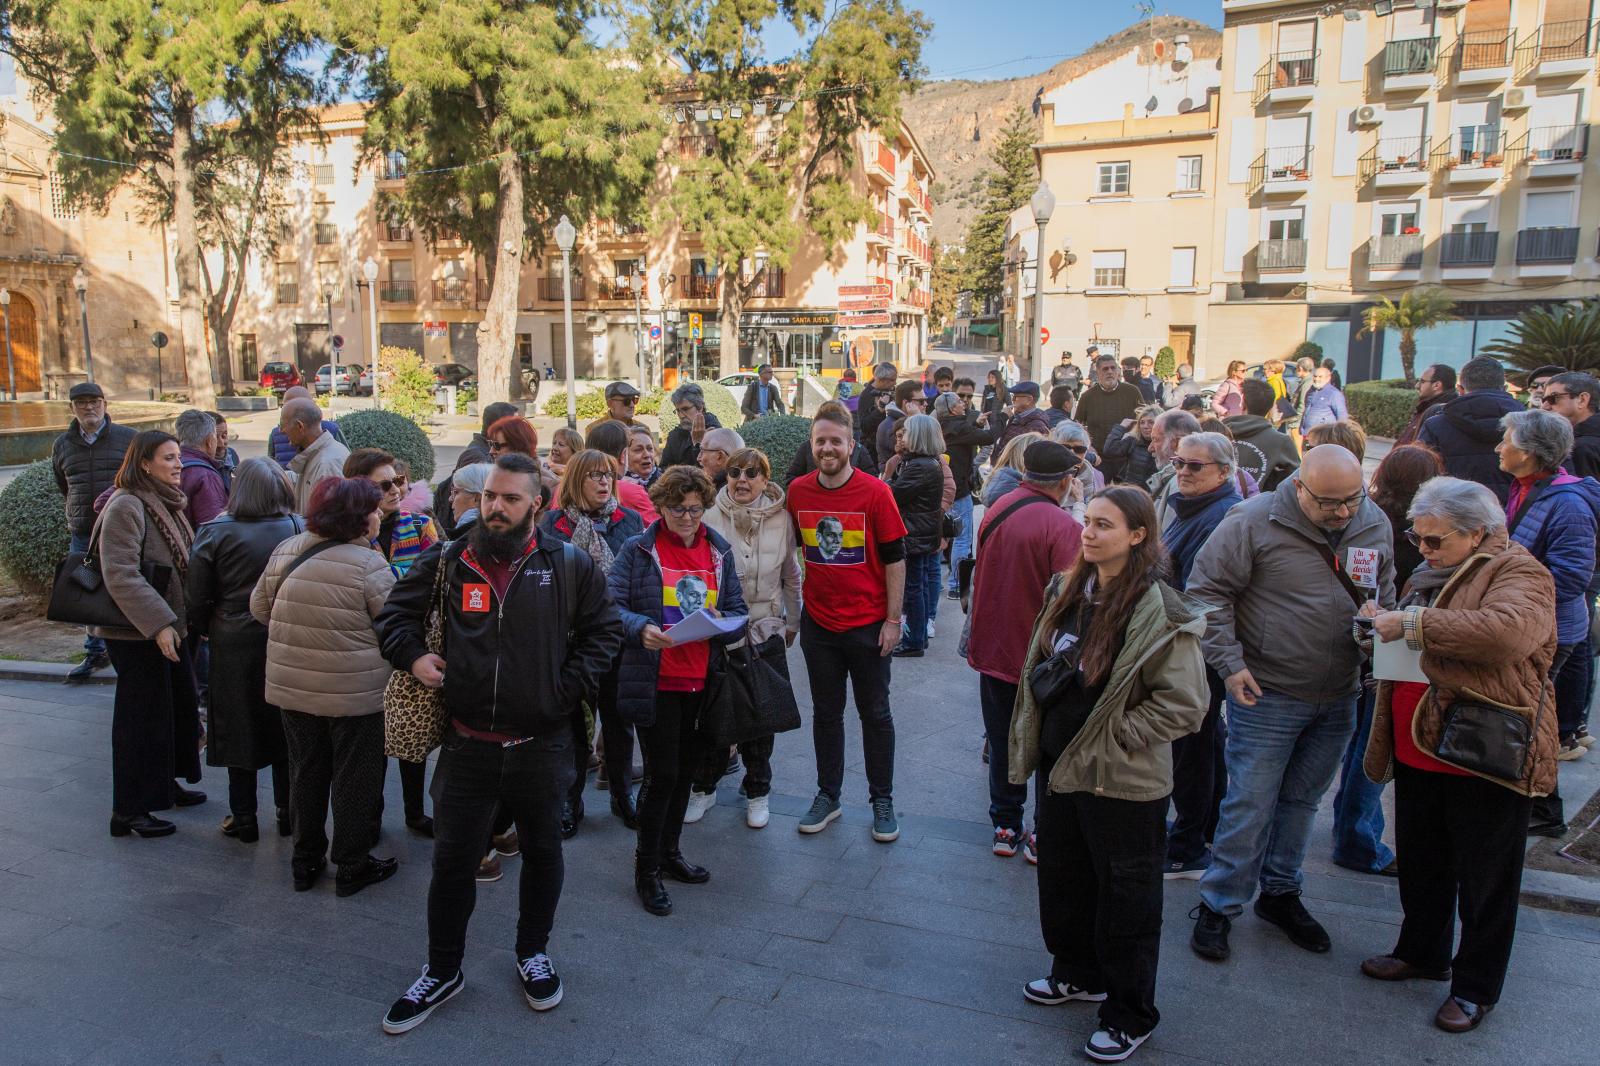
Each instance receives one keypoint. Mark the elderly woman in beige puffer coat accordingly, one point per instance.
(317, 597)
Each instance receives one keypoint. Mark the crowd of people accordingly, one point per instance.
(1183, 629)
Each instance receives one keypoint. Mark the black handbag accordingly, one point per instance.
(79, 594)
(1488, 738)
(1050, 680)
(749, 699)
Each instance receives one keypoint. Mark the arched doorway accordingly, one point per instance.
(24, 345)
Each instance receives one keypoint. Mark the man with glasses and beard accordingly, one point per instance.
(1287, 571)
(529, 629)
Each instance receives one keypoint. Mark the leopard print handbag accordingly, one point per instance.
(414, 716)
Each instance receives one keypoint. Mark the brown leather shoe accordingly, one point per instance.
(1389, 968)
(1456, 1015)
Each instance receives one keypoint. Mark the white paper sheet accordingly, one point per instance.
(1393, 661)
(703, 626)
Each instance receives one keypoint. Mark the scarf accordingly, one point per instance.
(1197, 518)
(1425, 583)
(164, 505)
(640, 480)
(586, 537)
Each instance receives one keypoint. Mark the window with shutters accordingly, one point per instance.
(1110, 269)
(1182, 276)
(1188, 176)
(1114, 179)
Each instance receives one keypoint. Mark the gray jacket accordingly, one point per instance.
(1280, 610)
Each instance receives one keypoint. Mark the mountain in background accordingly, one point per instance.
(958, 122)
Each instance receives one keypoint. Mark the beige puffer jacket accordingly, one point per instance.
(322, 652)
(762, 536)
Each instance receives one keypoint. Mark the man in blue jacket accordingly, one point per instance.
(279, 446)
(1466, 431)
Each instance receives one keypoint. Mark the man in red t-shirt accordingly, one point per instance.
(852, 538)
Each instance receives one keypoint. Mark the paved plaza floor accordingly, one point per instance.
(822, 949)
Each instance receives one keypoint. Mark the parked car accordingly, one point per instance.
(278, 376)
(456, 374)
(737, 383)
(340, 380)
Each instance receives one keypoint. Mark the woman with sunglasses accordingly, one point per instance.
(592, 520)
(1114, 674)
(669, 571)
(749, 513)
(1482, 612)
(514, 433)
(402, 536)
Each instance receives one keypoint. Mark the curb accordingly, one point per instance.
(24, 670)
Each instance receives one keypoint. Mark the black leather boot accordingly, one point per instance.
(622, 806)
(678, 868)
(242, 827)
(652, 893)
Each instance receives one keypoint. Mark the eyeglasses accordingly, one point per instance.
(600, 477)
(966, 397)
(686, 512)
(1079, 449)
(1433, 544)
(498, 446)
(1552, 397)
(750, 473)
(629, 400)
(397, 485)
(1193, 466)
(1329, 504)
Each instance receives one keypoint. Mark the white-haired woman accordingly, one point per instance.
(466, 490)
(918, 487)
(1482, 612)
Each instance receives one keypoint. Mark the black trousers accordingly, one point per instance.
(832, 659)
(242, 788)
(1569, 672)
(673, 750)
(756, 754)
(1199, 779)
(1100, 898)
(155, 726)
(337, 759)
(1006, 801)
(474, 778)
(1461, 842)
(618, 737)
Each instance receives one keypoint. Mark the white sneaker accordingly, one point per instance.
(756, 814)
(930, 630)
(1112, 1045)
(699, 804)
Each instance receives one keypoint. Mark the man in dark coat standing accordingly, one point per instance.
(761, 396)
(84, 460)
(1026, 417)
(1435, 388)
(1468, 428)
(1575, 396)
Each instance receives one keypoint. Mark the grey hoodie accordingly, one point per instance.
(1280, 610)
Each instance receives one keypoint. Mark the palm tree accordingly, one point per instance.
(1418, 309)
(1565, 335)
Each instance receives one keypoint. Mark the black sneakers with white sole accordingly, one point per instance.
(413, 1008)
(541, 985)
(1048, 992)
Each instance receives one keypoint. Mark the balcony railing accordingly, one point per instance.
(1472, 147)
(483, 290)
(326, 233)
(1553, 144)
(289, 293)
(1287, 163)
(772, 285)
(885, 227)
(447, 291)
(1416, 55)
(886, 158)
(550, 288)
(323, 173)
(1573, 39)
(700, 287)
(398, 292)
(1395, 155)
(1286, 70)
(395, 234)
(1484, 49)
(1468, 249)
(1397, 251)
(1551, 244)
(393, 167)
(1281, 253)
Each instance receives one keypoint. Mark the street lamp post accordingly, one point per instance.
(566, 237)
(369, 270)
(1044, 205)
(80, 281)
(11, 368)
(636, 283)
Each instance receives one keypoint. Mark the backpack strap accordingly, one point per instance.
(988, 530)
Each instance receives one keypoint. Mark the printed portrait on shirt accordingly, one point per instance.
(691, 590)
(834, 539)
(683, 592)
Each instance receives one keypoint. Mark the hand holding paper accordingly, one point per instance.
(702, 625)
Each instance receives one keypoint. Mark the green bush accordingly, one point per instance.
(394, 433)
(33, 527)
(465, 394)
(407, 383)
(780, 437)
(1307, 350)
(720, 402)
(1382, 407)
(1166, 363)
(592, 404)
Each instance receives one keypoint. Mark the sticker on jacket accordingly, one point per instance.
(834, 539)
(1363, 567)
(475, 598)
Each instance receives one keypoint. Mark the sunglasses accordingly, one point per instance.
(629, 400)
(686, 512)
(966, 396)
(1433, 544)
(1079, 449)
(1551, 397)
(1193, 466)
(498, 445)
(397, 485)
(750, 473)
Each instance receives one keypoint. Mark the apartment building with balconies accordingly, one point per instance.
(1371, 147)
(827, 309)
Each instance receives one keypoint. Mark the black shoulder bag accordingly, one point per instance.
(79, 594)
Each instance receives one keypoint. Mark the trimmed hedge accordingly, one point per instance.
(1382, 407)
(394, 433)
(779, 437)
(592, 405)
(33, 527)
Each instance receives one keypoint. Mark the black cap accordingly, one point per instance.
(1027, 388)
(86, 390)
(1047, 461)
(620, 388)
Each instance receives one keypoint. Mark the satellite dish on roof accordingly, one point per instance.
(1151, 104)
(1186, 104)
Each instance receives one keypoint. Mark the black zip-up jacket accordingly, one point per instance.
(962, 439)
(512, 668)
(84, 471)
(1585, 458)
(918, 487)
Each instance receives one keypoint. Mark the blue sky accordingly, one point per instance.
(1007, 38)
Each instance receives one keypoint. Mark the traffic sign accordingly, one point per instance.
(860, 321)
(158, 339)
(1044, 335)
(694, 319)
(338, 342)
(880, 291)
(655, 333)
(696, 333)
(873, 304)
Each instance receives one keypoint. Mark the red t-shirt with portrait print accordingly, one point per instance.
(688, 583)
(839, 531)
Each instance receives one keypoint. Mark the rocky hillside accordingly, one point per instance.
(959, 121)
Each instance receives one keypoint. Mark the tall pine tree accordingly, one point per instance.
(1007, 187)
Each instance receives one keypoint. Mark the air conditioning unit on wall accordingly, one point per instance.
(1449, 5)
(1369, 115)
(1516, 100)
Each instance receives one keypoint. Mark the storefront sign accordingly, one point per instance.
(436, 329)
(787, 318)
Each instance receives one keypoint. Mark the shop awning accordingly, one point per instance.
(984, 329)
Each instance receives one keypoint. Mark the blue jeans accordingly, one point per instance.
(1358, 805)
(1282, 755)
(79, 542)
(961, 547)
(922, 574)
